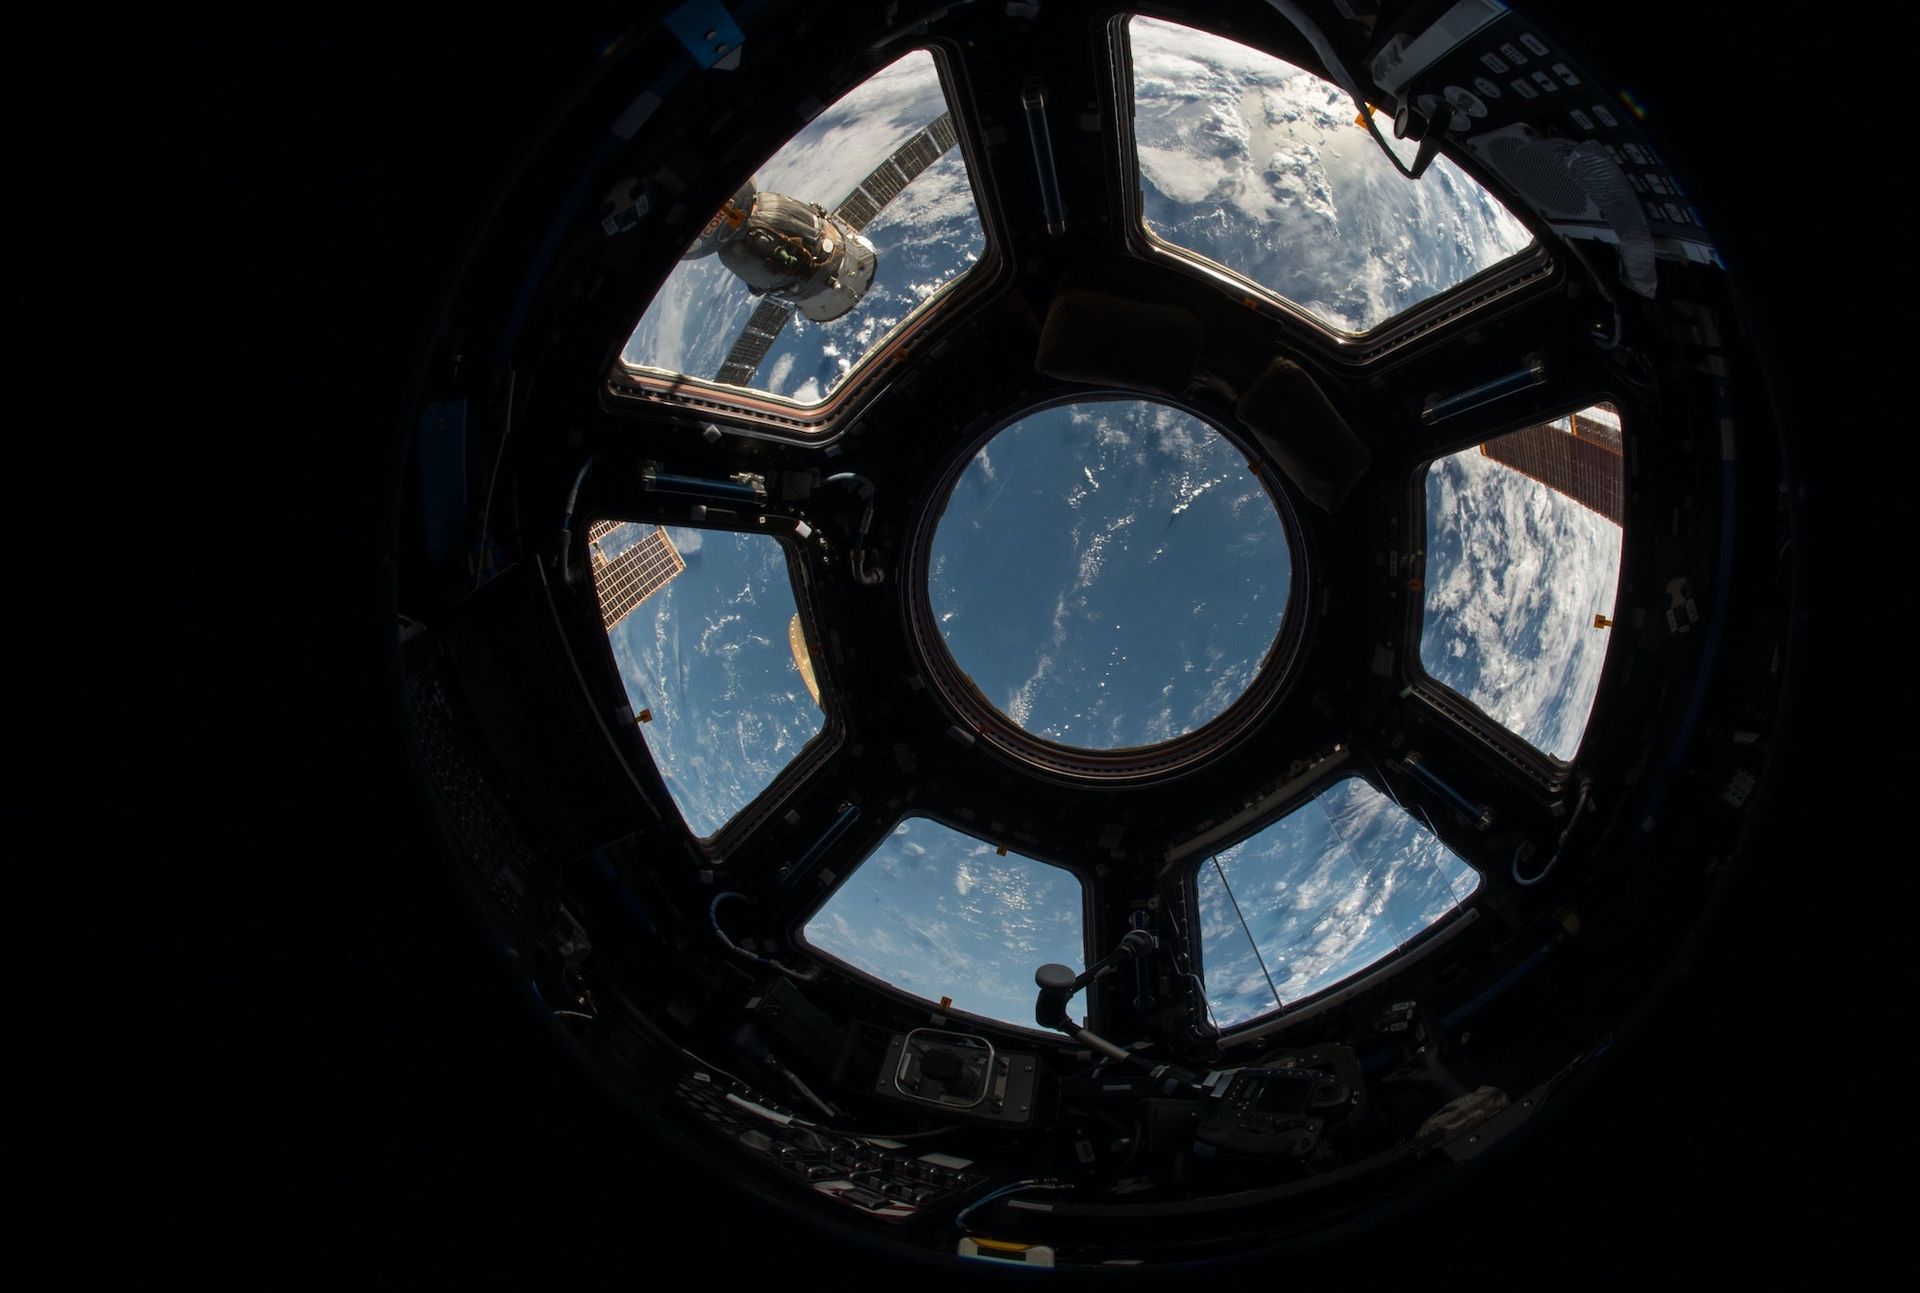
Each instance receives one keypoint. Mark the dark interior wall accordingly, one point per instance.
(261, 1036)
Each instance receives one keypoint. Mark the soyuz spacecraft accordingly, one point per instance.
(796, 255)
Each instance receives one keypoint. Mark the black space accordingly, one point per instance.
(259, 1037)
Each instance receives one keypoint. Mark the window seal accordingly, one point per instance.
(1532, 271)
(796, 929)
(1545, 773)
(1422, 943)
(819, 748)
(628, 389)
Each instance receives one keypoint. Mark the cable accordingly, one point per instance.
(562, 1011)
(1416, 810)
(1606, 294)
(486, 505)
(1183, 962)
(857, 559)
(1278, 1004)
(960, 1219)
(566, 517)
(713, 915)
(1579, 806)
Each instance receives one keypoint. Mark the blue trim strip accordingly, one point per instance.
(669, 483)
(1498, 986)
(1485, 393)
(848, 816)
(706, 29)
(442, 449)
(1432, 781)
(1041, 140)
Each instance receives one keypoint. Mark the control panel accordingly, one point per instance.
(1519, 102)
(883, 1178)
(961, 1073)
(1271, 1113)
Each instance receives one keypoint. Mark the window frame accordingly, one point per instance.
(796, 930)
(819, 748)
(629, 388)
(1545, 772)
(1074, 765)
(1423, 943)
(1531, 271)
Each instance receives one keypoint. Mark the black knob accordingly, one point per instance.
(941, 1065)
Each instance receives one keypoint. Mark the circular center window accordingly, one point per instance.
(1109, 574)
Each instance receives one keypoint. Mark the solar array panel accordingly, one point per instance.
(632, 575)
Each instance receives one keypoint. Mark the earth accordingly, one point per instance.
(1155, 567)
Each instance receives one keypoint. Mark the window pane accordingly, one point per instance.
(938, 913)
(1326, 891)
(1154, 573)
(1262, 168)
(924, 236)
(1523, 566)
(701, 623)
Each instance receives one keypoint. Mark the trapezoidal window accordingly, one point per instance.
(857, 223)
(1523, 569)
(1262, 169)
(1337, 885)
(706, 630)
(938, 913)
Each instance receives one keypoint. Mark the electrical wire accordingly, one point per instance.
(713, 916)
(1579, 806)
(1415, 811)
(857, 559)
(1183, 962)
(960, 1219)
(1606, 294)
(564, 1012)
(1248, 932)
(1353, 855)
(486, 505)
(566, 518)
